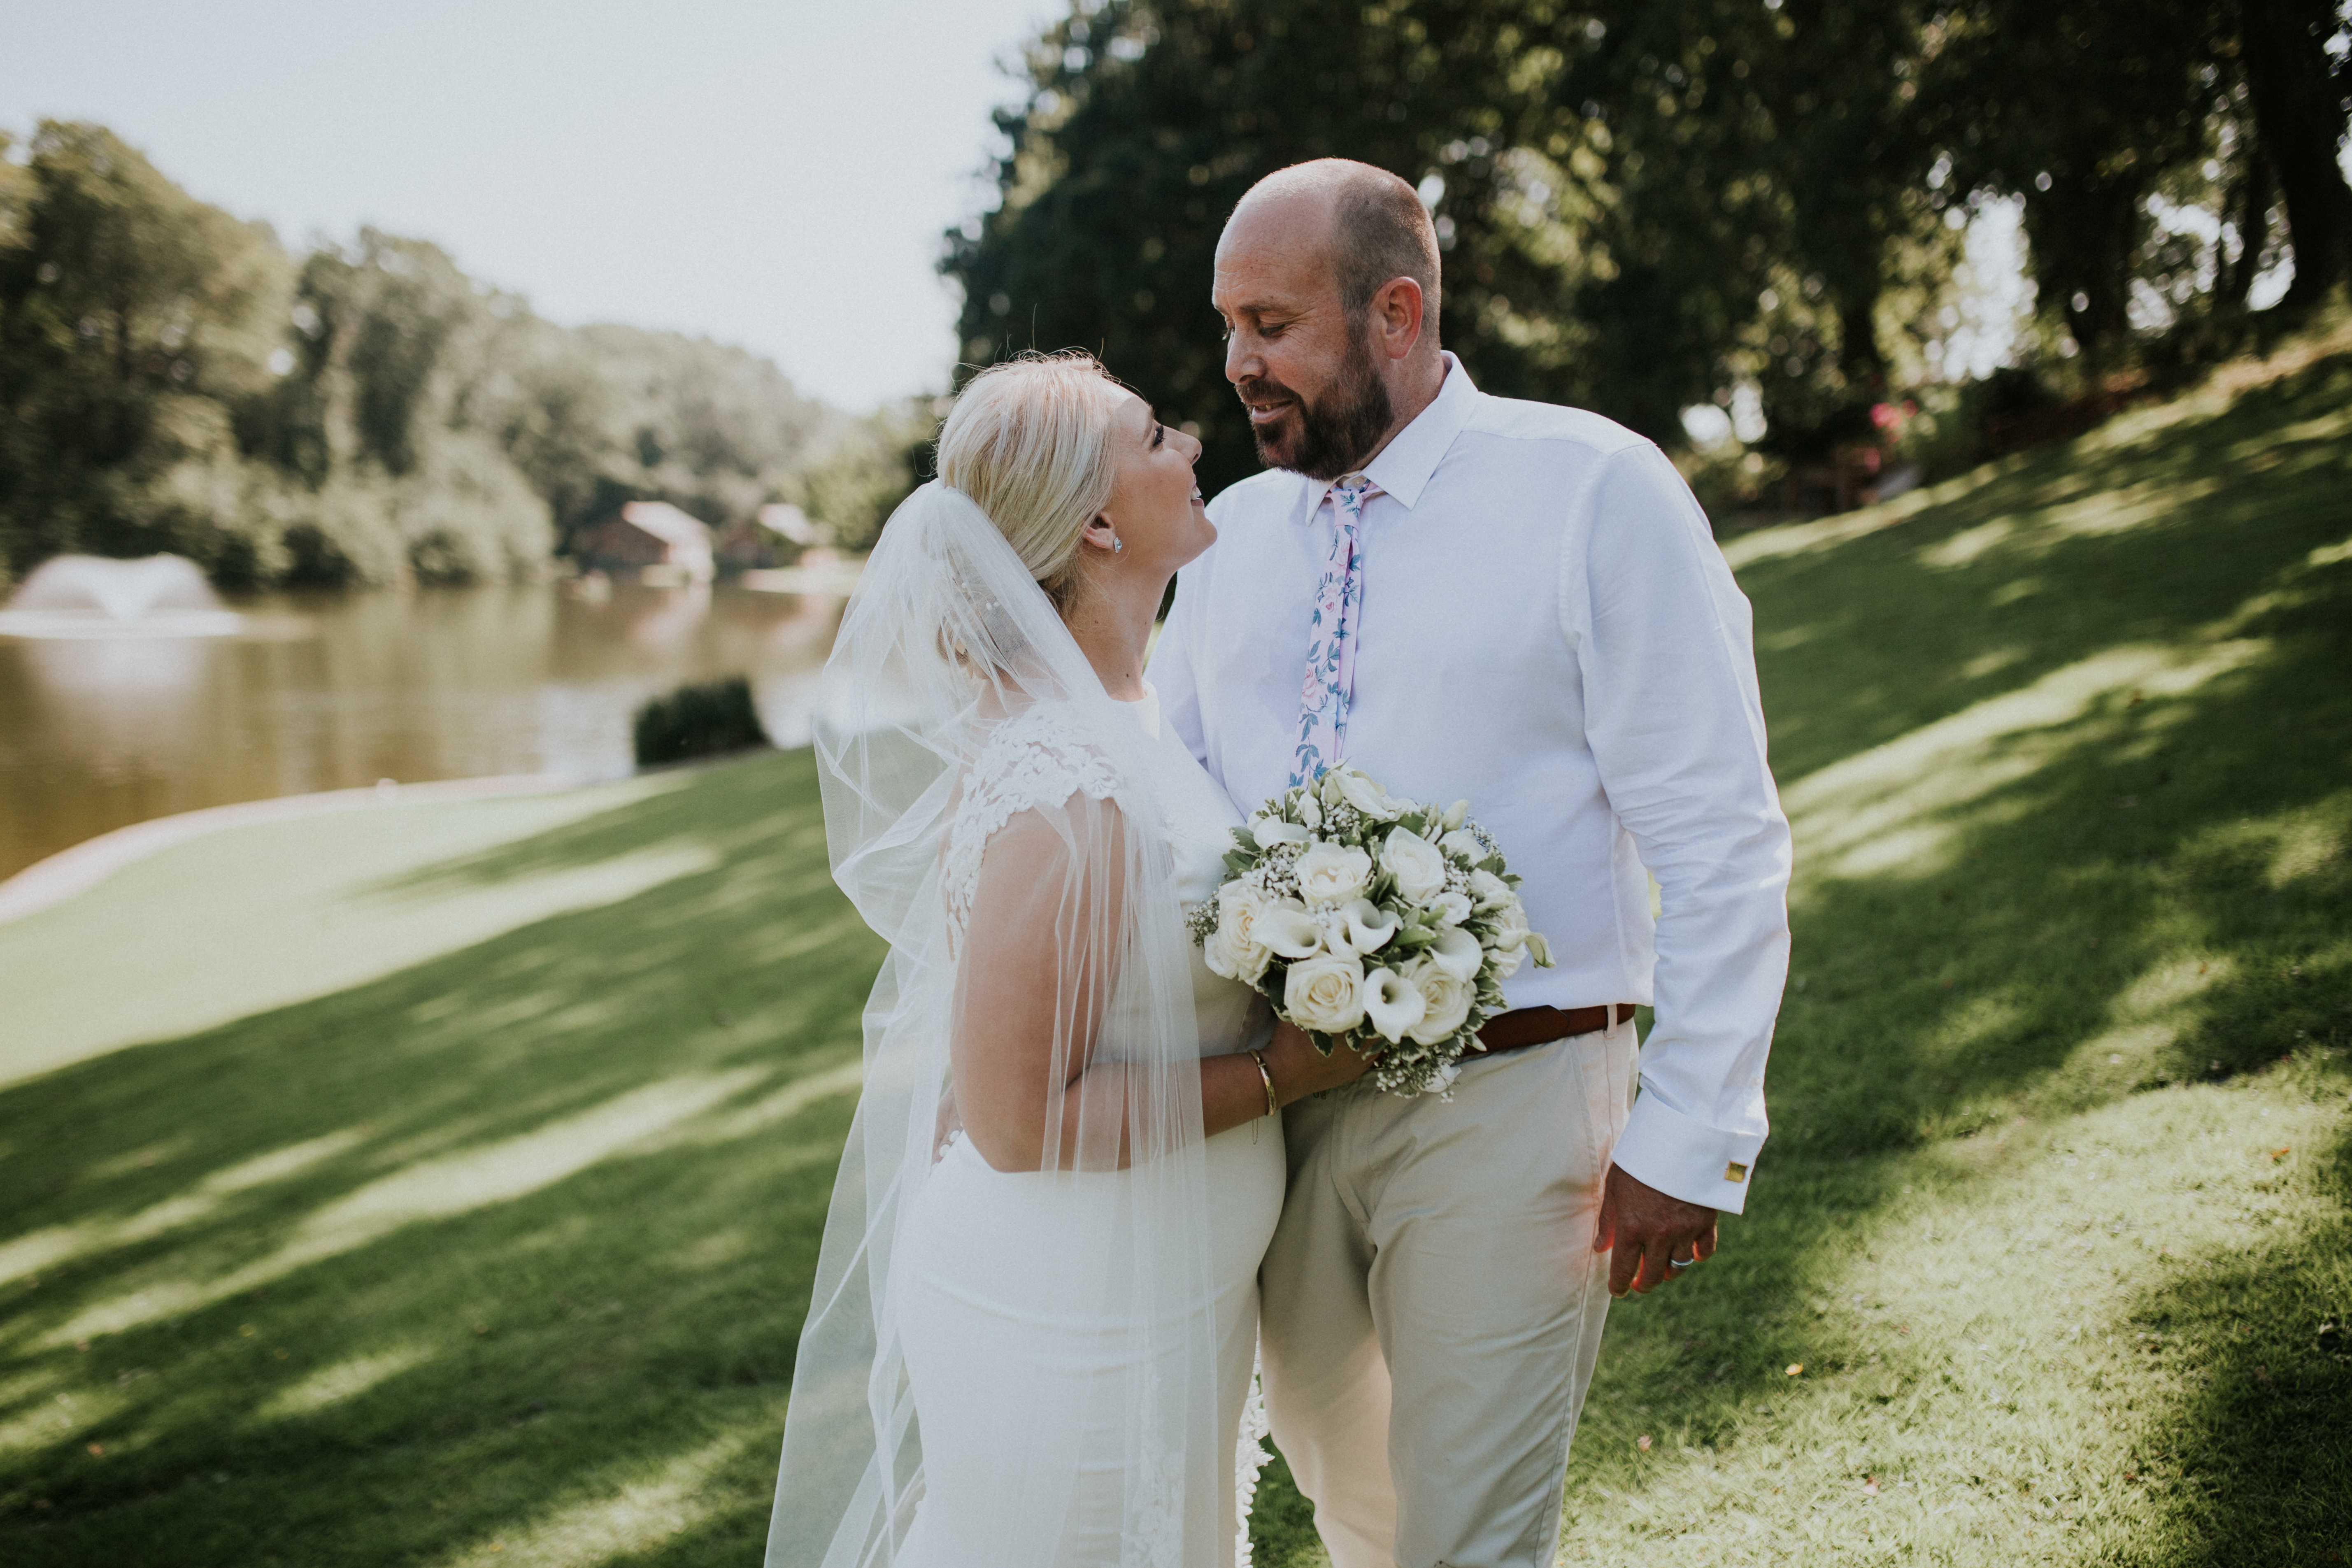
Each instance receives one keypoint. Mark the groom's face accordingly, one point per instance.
(1317, 400)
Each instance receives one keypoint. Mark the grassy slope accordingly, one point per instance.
(499, 1259)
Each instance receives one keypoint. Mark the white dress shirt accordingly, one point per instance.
(1548, 628)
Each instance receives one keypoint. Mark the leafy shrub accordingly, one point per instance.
(704, 721)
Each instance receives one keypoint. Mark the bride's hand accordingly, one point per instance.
(1298, 1069)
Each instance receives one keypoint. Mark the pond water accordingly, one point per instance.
(327, 692)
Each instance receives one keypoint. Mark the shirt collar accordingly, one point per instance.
(1404, 465)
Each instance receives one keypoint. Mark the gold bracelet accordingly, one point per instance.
(1273, 1106)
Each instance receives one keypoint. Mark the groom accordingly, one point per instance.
(1521, 604)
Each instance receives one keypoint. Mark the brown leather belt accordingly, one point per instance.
(1523, 1027)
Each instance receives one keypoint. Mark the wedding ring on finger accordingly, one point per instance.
(1680, 1263)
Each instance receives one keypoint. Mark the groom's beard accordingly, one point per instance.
(1328, 436)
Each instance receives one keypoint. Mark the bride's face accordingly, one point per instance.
(1155, 509)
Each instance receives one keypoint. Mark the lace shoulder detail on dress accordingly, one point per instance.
(1038, 758)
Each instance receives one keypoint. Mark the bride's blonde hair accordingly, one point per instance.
(1030, 441)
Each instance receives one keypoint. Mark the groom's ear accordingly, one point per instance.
(1396, 313)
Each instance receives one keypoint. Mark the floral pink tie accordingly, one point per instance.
(1330, 680)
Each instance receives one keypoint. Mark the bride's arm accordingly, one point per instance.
(1035, 977)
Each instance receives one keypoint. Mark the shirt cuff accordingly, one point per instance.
(1685, 1158)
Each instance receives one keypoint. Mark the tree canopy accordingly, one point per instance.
(170, 379)
(1649, 207)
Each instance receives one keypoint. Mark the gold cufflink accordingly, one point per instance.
(1734, 1172)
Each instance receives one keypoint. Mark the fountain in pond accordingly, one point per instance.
(90, 596)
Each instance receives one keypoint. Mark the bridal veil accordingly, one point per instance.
(988, 806)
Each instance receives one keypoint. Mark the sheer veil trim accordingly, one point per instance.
(973, 766)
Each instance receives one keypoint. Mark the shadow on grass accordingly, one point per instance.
(2256, 1465)
(508, 1249)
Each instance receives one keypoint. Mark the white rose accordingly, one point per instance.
(1368, 925)
(1414, 862)
(1511, 937)
(1451, 908)
(1445, 1002)
(1455, 815)
(1539, 950)
(1511, 925)
(1457, 952)
(1238, 949)
(1488, 890)
(1465, 843)
(1358, 791)
(1392, 1005)
(1325, 994)
(1268, 831)
(1333, 873)
(1310, 812)
(1283, 925)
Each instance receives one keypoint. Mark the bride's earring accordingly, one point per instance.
(1117, 544)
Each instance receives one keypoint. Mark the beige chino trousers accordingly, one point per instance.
(1432, 1304)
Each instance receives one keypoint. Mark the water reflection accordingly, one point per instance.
(325, 692)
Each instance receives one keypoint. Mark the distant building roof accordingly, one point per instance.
(782, 517)
(667, 523)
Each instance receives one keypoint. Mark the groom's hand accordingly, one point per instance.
(1641, 1229)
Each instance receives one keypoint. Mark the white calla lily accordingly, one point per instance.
(1358, 790)
(1268, 831)
(1368, 925)
(1288, 929)
(1392, 1005)
(1457, 952)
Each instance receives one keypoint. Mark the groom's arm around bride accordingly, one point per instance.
(1521, 604)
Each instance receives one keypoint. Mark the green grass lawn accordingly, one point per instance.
(494, 1249)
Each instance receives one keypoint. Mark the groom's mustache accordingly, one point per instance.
(1266, 389)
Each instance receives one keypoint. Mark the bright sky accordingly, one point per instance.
(775, 174)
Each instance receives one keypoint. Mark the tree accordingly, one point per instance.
(2302, 100)
(1617, 188)
(131, 316)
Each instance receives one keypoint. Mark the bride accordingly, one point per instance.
(1035, 1307)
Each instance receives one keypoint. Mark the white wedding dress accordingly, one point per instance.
(993, 1349)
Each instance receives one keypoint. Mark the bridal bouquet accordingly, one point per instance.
(1353, 910)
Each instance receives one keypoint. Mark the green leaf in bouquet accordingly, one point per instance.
(1492, 863)
(1239, 864)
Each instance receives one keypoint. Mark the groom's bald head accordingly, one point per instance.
(1327, 280)
(1368, 225)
